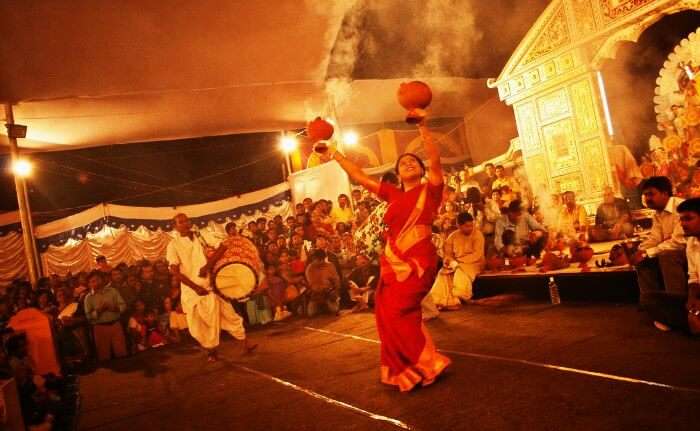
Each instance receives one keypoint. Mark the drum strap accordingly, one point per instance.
(201, 239)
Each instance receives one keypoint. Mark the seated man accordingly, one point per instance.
(612, 219)
(463, 260)
(674, 308)
(571, 221)
(324, 284)
(362, 282)
(663, 265)
(529, 235)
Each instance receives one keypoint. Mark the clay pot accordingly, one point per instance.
(495, 263)
(551, 262)
(548, 260)
(582, 254)
(518, 261)
(319, 130)
(414, 95)
(321, 147)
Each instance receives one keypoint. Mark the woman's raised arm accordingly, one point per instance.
(432, 152)
(356, 173)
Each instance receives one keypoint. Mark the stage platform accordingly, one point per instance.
(517, 365)
(616, 283)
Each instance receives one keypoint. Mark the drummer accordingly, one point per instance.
(207, 313)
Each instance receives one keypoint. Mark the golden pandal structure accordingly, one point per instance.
(553, 84)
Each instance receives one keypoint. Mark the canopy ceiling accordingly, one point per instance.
(87, 73)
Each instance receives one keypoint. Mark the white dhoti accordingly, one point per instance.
(451, 286)
(441, 292)
(463, 279)
(209, 316)
(428, 309)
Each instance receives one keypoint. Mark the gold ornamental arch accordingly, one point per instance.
(558, 96)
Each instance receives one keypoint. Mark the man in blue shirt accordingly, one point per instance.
(528, 233)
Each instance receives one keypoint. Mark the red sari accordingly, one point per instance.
(408, 268)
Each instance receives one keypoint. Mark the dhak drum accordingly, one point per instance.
(235, 275)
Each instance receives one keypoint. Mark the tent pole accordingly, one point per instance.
(23, 203)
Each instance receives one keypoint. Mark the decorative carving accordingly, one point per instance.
(569, 183)
(593, 166)
(613, 9)
(583, 16)
(584, 108)
(549, 69)
(503, 91)
(565, 62)
(532, 78)
(554, 35)
(527, 128)
(560, 144)
(553, 106)
(516, 84)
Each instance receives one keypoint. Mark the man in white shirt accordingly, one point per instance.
(207, 313)
(680, 309)
(663, 266)
(463, 261)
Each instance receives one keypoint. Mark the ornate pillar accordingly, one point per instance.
(562, 131)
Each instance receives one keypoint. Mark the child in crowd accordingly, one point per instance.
(276, 289)
(177, 321)
(137, 326)
(153, 332)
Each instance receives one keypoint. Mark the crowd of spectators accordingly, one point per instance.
(323, 258)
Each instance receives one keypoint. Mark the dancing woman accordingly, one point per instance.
(408, 265)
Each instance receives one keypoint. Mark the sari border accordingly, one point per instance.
(426, 370)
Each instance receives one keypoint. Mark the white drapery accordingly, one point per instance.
(117, 245)
(127, 234)
(325, 181)
(13, 265)
(124, 245)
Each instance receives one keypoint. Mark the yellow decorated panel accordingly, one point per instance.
(569, 183)
(560, 145)
(584, 107)
(592, 162)
(553, 106)
(526, 118)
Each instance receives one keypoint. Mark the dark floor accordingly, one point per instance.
(174, 388)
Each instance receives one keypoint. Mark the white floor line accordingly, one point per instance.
(326, 399)
(531, 363)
